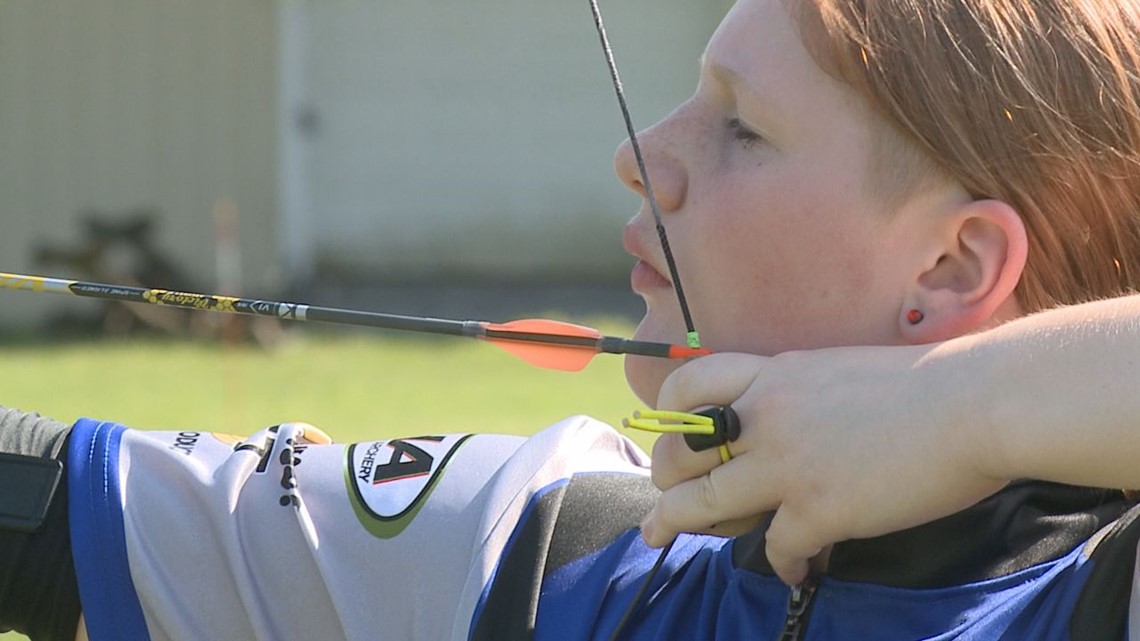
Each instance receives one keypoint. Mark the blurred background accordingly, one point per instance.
(283, 147)
(447, 158)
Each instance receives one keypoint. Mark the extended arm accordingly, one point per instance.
(1054, 394)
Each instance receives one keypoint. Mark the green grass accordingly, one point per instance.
(355, 386)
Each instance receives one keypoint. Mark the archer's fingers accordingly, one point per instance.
(729, 493)
(790, 546)
(674, 462)
(716, 379)
(734, 527)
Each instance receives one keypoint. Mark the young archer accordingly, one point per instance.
(846, 175)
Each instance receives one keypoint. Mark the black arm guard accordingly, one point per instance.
(39, 596)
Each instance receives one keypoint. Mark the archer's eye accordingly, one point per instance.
(742, 133)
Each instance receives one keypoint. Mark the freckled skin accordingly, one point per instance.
(779, 243)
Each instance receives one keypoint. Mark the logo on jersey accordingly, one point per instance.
(388, 481)
(185, 442)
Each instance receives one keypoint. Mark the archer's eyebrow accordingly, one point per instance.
(725, 74)
(754, 98)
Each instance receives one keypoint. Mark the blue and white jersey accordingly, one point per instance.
(286, 536)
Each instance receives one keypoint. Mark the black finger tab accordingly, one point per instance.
(726, 429)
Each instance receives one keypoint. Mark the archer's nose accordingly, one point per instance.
(666, 172)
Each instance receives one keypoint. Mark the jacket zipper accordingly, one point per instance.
(799, 605)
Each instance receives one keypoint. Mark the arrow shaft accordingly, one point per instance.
(236, 305)
(302, 312)
(584, 342)
(615, 345)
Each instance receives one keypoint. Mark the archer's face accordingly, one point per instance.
(763, 181)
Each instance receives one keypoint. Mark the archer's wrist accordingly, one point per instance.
(962, 377)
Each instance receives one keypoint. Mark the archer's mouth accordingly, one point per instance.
(645, 276)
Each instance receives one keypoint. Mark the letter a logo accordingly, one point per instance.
(407, 461)
(388, 481)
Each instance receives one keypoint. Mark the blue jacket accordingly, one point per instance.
(1038, 561)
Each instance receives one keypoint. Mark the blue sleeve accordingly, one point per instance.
(111, 606)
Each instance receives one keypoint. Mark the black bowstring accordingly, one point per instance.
(692, 337)
(692, 332)
(627, 616)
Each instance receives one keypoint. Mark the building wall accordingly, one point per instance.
(112, 105)
(365, 138)
(456, 139)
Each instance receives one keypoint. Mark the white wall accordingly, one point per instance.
(454, 136)
(450, 135)
(115, 104)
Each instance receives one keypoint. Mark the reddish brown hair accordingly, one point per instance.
(1032, 102)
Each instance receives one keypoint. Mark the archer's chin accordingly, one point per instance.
(646, 374)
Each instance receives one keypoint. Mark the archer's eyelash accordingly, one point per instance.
(742, 133)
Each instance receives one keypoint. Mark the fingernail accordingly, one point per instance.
(797, 575)
(649, 531)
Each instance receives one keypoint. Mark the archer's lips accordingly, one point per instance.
(644, 277)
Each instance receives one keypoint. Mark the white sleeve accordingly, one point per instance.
(282, 535)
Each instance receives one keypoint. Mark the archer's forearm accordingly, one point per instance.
(1053, 396)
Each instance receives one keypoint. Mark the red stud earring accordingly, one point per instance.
(914, 317)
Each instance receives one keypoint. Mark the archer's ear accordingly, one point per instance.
(973, 276)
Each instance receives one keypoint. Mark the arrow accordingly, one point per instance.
(546, 343)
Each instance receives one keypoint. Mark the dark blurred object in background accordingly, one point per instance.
(121, 248)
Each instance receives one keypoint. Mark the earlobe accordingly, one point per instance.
(970, 284)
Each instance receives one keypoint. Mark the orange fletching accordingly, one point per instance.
(532, 346)
(545, 326)
(566, 358)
